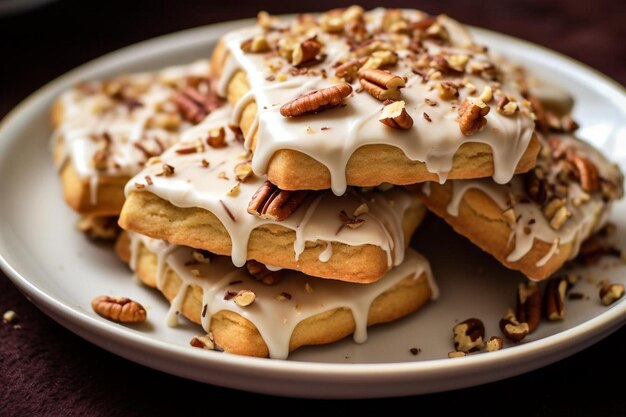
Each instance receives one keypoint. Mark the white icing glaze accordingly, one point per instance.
(193, 185)
(88, 114)
(348, 128)
(531, 224)
(326, 253)
(276, 319)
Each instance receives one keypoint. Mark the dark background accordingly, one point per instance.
(46, 370)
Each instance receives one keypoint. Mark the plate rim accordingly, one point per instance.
(594, 328)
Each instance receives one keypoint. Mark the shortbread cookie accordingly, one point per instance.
(105, 131)
(538, 221)
(311, 98)
(207, 197)
(247, 317)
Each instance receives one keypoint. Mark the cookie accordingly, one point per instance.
(311, 101)
(206, 197)
(247, 317)
(538, 221)
(105, 131)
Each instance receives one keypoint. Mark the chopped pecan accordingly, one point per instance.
(353, 222)
(610, 293)
(472, 114)
(348, 70)
(256, 45)
(244, 298)
(270, 202)
(448, 90)
(243, 171)
(194, 105)
(202, 342)
(216, 138)
(469, 335)
(261, 273)
(306, 51)
(494, 343)
(119, 309)
(587, 173)
(554, 298)
(317, 100)
(528, 308)
(536, 186)
(381, 59)
(512, 328)
(394, 115)
(381, 84)
(507, 107)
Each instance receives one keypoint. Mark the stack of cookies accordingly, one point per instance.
(282, 218)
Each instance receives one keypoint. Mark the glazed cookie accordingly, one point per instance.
(538, 221)
(202, 193)
(361, 98)
(105, 131)
(245, 316)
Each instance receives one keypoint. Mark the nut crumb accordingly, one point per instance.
(9, 316)
(456, 354)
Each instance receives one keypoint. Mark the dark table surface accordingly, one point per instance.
(47, 370)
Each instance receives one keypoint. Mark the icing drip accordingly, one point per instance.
(326, 253)
(196, 185)
(277, 318)
(92, 121)
(531, 224)
(333, 137)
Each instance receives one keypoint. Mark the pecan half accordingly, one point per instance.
(260, 272)
(469, 335)
(381, 84)
(194, 105)
(119, 309)
(270, 202)
(528, 308)
(317, 100)
(394, 115)
(512, 328)
(610, 293)
(554, 298)
(472, 114)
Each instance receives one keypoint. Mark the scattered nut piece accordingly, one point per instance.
(353, 222)
(243, 171)
(9, 316)
(348, 70)
(469, 335)
(447, 90)
(507, 107)
(588, 174)
(255, 45)
(472, 114)
(394, 115)
(456, 354)
(306, 51)
(119, 309)
(234, 190)
(217, 138)
(528, 308)
(381, 84)
(202, 342)
(487, 95)
(494, 343)
(363, 208)
(201, 256)
(244, 298)
(610, 293)
(317, 100)
(554, 298)
(512, 328)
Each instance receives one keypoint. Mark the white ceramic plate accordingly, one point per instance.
(60, 271)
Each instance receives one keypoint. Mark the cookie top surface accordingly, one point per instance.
(110, 128)
(194, 173)
(430, 64)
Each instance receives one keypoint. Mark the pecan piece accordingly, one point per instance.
(202, 342)
(469, 335)
(317, 100)
(306, 52)
(494, 343)
(536, 186)
(554, 298)
(243, 171)
(512, 328)
(528, 308)
(394, 115)
(472, 114)
(194, 105)
(270, 202)
(217, 138)
(260, 272)
(119, 309)
(381, 84)
(348, 70)
(256, 45)
(610, 293)
(244, 298)
(587, 173)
